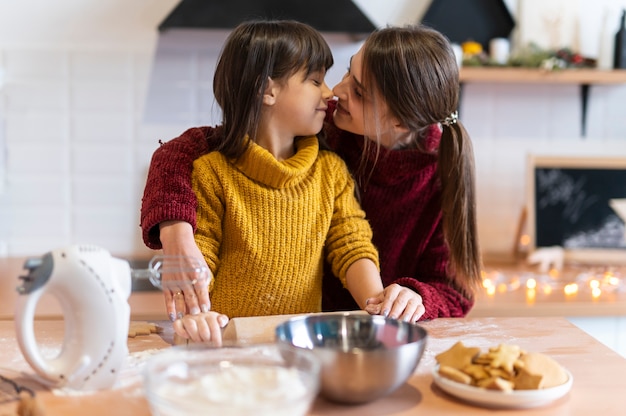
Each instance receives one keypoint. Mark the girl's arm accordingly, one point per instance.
(178, 240)
(168, 194)
(168, 209)
(363, 281)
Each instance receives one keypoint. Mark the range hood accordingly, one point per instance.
(324, 15)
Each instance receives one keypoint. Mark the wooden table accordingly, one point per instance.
(599, 373)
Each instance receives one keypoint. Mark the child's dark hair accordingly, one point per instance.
(254, 52)
(414, 70)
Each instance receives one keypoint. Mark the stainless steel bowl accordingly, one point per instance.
(363, 357)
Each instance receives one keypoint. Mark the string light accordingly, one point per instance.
(596, 292)
(570, 289)
(594, 282)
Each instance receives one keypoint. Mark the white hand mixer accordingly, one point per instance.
(92, 288)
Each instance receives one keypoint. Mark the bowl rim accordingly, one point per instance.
(421, 337)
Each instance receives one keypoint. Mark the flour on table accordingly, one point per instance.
(130, 377)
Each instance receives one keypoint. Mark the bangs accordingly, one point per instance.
(301, 48)
(316, 55)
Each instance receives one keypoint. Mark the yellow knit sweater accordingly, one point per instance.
(264, 227)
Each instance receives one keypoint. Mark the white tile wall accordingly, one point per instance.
(80, 126)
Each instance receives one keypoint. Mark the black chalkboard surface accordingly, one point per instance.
(579, 204)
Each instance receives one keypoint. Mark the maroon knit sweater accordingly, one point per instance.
(400, 194)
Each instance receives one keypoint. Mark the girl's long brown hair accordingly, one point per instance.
(254, 52)
(414, 70)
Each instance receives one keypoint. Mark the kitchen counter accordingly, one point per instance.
(597, 371)
(150, 306)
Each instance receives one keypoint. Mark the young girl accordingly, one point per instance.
(271, 205)
(395, 125)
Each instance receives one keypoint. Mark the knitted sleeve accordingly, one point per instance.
(168, 194)
(441, 300)
(350, 236)
(442, 295)
(210, 214)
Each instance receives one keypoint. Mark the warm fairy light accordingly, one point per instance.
(571, 289)
(610, 279)
(489, 286)
(594, 283)
(596, 292)
(524, 240)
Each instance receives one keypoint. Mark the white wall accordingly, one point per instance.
(81, 113)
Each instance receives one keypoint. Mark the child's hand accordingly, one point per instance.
(203, 327)
(397, 302)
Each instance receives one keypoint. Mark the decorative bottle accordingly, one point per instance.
(619, 62)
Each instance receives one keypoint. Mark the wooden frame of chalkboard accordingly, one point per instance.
(573, 202)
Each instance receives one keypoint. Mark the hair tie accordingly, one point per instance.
(451, 119)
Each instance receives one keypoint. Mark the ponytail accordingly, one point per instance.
(458, 204)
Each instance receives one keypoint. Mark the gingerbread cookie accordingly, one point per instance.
(142, 328)
(455, 375)
(503, 368)
(458, 356)
(540, 364)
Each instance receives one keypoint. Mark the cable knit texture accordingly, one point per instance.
(263, 225)
(401, 194)
(401, 199)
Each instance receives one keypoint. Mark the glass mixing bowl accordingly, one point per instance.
(231, 381)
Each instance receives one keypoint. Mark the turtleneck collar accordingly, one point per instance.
(389, 167)
(260, 165)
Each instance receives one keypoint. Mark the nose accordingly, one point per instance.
(327, 93)
(339, 88)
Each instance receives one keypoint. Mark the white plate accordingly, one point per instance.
(492, 398)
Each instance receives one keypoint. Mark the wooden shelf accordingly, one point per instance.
(540, 76)
(513, 75)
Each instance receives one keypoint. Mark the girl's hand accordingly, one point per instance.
(397, 302)
(204, 327)
(184, 292)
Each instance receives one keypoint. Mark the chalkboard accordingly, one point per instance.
(580, 205)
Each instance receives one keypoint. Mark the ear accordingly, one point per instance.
(271, 92)
(399, 127)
